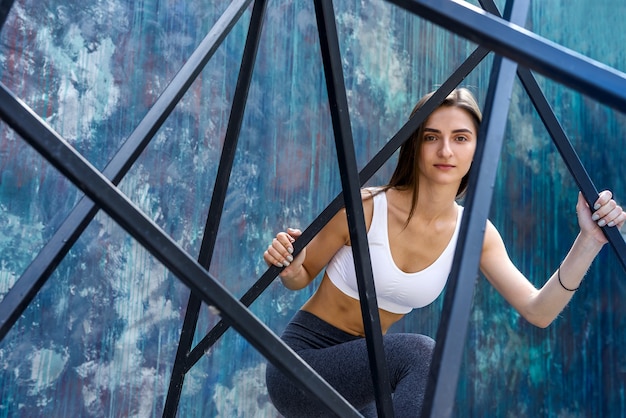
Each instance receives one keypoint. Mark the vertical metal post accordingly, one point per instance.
(446, 364)
(217, 203)
(563, 145)
(368, 171)
(605, 85)
(338, 101)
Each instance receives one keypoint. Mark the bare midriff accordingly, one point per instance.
(342, 311)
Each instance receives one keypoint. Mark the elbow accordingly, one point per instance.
(540, 321)
(293, 284)
(535, 312)
(298, 281)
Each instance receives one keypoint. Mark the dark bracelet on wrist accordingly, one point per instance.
(558, 275)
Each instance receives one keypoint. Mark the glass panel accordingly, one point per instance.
(100, 337)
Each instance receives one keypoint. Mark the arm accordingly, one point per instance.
(301, 270)
(541, 307)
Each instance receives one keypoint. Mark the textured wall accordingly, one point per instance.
(100, 338)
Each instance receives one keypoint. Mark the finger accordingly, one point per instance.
(582, 203)
(294, 233)
(281, 253)
(273, 256)
(284, 242)
(603, 198)
(615, 217)
(271, 260)
(604, 211)
(277, 257)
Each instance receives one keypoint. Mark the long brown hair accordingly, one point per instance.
(405, 175)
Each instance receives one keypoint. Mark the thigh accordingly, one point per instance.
(408, 361)
(407, 354)
(341, 365)
(346, 368)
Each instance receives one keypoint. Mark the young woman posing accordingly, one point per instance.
(412, 224)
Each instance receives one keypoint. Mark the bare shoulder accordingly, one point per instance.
(340, 220)
(492, 239)
(494, 253)
(367, 196)
(368, 193)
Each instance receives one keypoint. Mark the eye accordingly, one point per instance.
(429, 138)
(462, 138)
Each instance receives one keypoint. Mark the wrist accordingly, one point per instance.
(589, 242)
(290, 276)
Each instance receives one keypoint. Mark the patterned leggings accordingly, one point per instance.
(342, 360)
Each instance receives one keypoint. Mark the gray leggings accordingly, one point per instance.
(341, 359)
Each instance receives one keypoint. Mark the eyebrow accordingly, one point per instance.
(455, 131)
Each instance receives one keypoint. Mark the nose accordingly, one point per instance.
(445, 150)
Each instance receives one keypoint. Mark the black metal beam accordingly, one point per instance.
(37, 273)
(216, 207)
(570, 157)
(5, 9)
(100, 190)
(217, 203)
(570, 68)
(452, 331)
(563, 145)
(368, 171)
(266, 279)
(585, 75)
(338, 101)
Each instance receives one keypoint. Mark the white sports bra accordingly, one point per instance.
(396, 291)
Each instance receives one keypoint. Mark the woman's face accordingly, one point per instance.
(448, 146)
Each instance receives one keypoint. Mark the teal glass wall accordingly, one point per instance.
(100, 338)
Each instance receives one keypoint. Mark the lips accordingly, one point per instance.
(444, 166)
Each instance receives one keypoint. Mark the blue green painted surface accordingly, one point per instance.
(100, 338)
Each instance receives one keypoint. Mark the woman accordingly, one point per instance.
(413, 225)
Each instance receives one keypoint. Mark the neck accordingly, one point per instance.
(433, 203)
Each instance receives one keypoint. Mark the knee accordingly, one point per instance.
(423, 347)
(417, 342)
(424, 341)
(416, 349)
(409, 357)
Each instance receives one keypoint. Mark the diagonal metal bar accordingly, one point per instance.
(217, 203)
(5, 9)
(581, 176)
(570, 157)
(368, 171)
(563, 145)
(99, 189)
(30, 282)
(338, 101)
(452, 331)
(570, 68)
